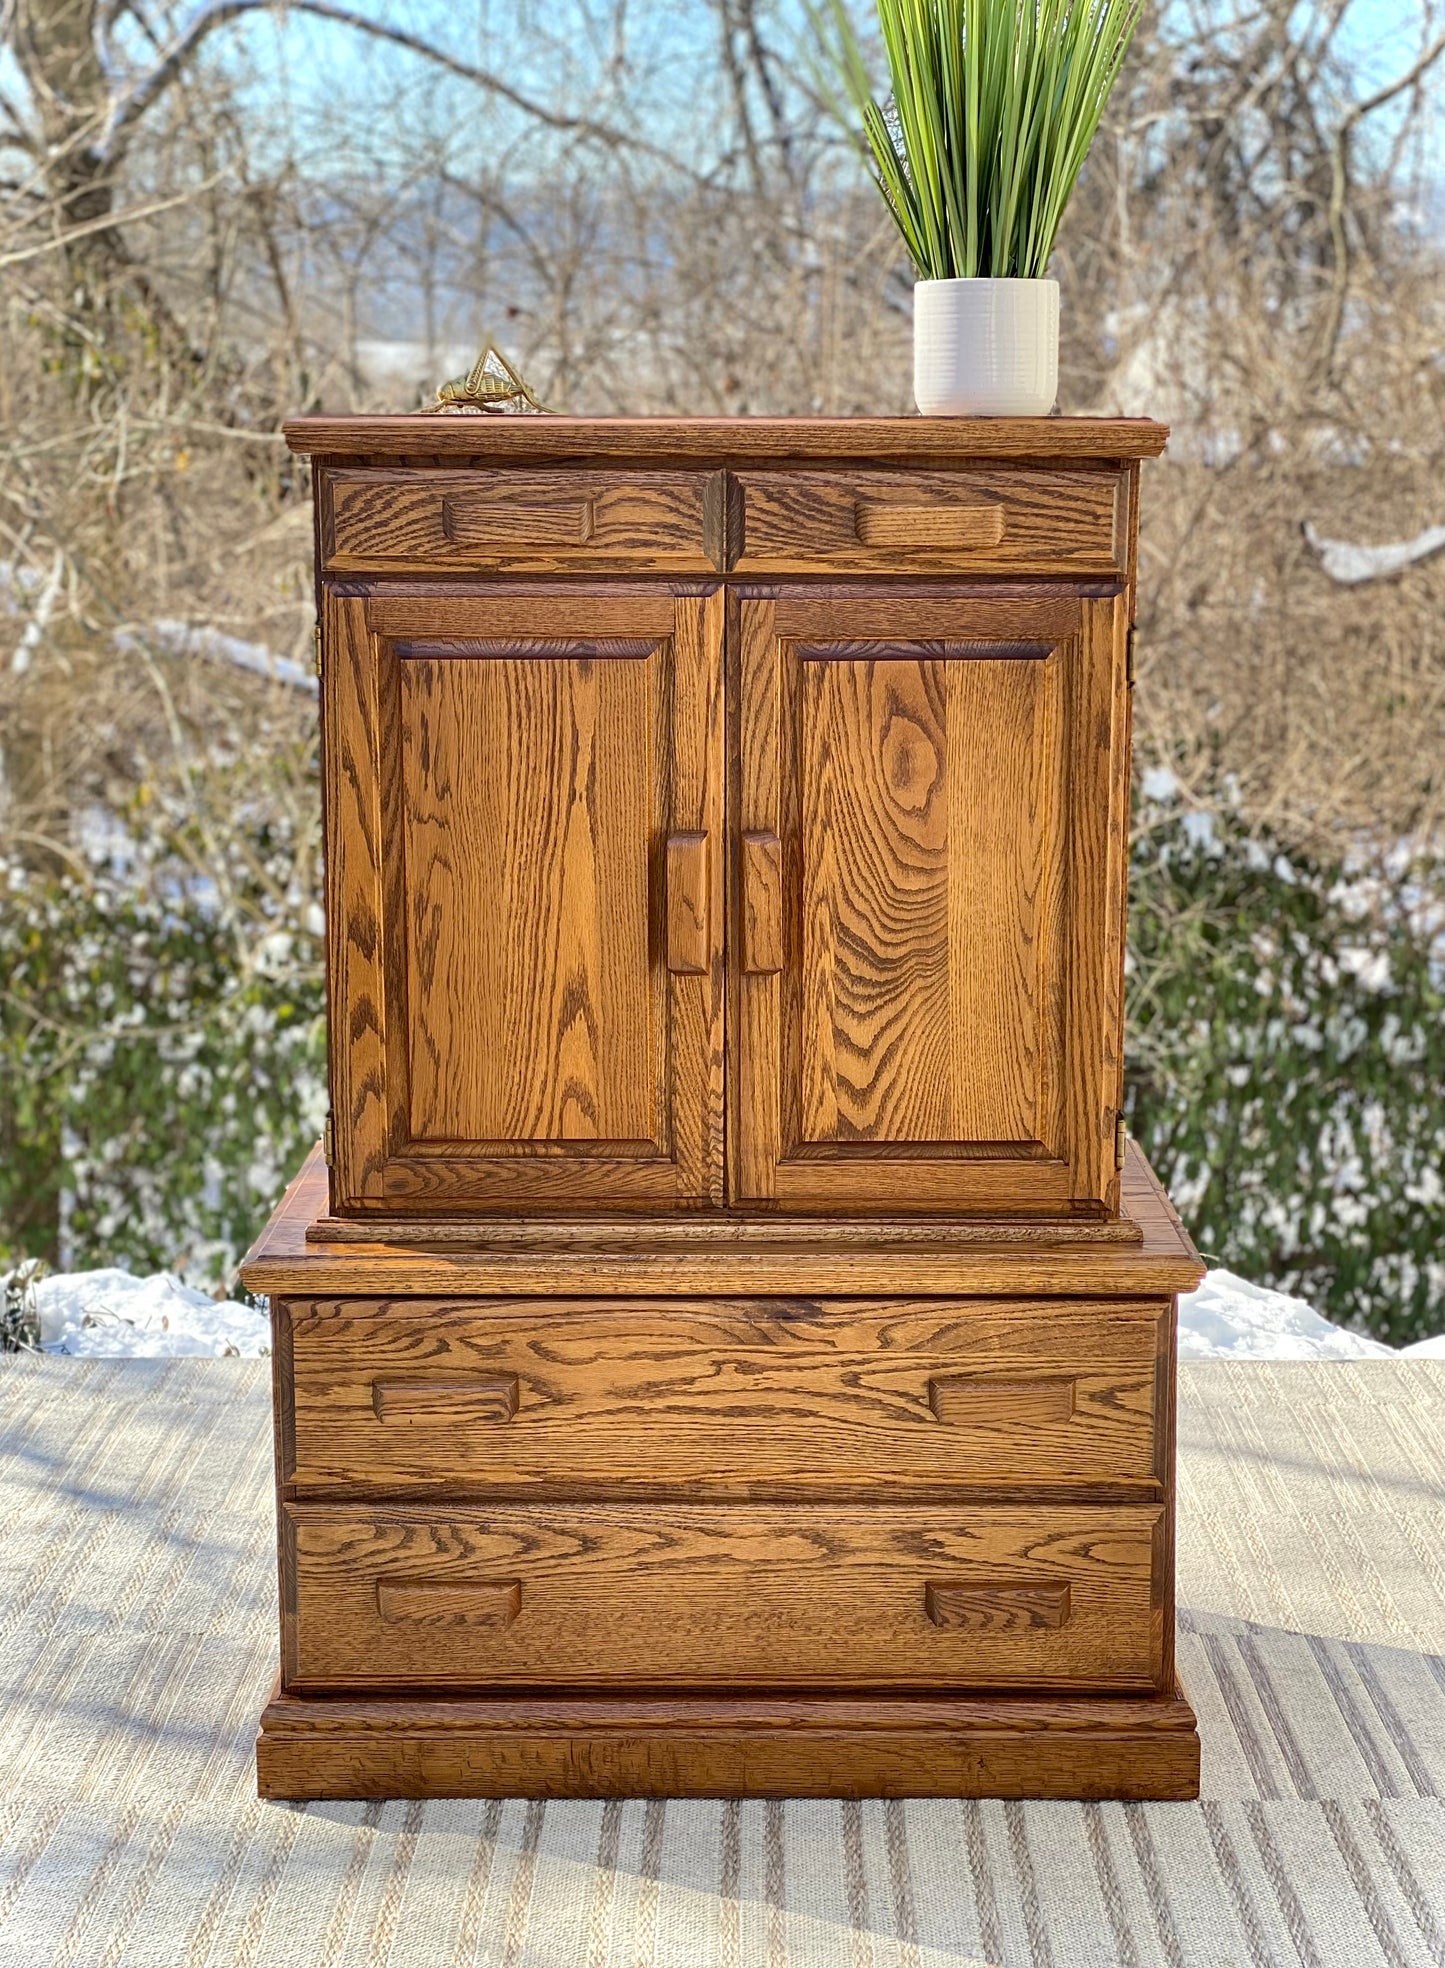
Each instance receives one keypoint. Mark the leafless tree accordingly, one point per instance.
(660, 210)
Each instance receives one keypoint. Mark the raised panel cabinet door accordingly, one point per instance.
(524, 869)
(930, 853)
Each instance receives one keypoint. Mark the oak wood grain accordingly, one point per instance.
(927, 825)
(908, 611)
(531, 797)
(730, 1746)
(1097, 730)
(488, 1603)
(695, 1002)
(762, 904)
(967, 524)
(944, 943)
(736, 1230)
(970, 1400)
(537, 611)
(358, 923)
(996, 1605)
(719, 440)
(689, 905)
(576, 521)
(502, 768)
(560, 516)
(756, 997)
(456, 1401)
(754, 1595)
(893, 522)
(725, 1398)
(731, 1253)
(523, 1442)
(589, 1475)
(1008, 824)
(942, 1048)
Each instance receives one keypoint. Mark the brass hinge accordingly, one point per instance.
(1121, 1136)
(328, 1141)
(316, 649)
(1129, 641)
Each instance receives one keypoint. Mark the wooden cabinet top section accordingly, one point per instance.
(731, 440)
(725, 814)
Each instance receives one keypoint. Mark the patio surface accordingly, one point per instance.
(136, 1583)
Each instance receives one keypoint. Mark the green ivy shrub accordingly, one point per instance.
(1286, 1063)
(161, 1045)
(162, 1052)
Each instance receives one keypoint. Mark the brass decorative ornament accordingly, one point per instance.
(491, 387)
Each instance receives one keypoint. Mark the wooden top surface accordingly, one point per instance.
(661, 1257)
(737, 440)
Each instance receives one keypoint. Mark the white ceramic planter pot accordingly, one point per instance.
(986, 348)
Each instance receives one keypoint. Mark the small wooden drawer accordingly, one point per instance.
(494, 521)
(966, 522)
(731, 1398)
(598, 1595)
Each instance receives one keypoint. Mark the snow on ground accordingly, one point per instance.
(1350, 564)
(1229, 1318)
(185, 639)
(22, 589)
(115, 1314)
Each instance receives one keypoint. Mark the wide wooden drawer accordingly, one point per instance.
(745, 1397)
(981, 522)
(493, 521)
(744, 1595)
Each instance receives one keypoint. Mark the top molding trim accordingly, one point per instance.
(729, 440)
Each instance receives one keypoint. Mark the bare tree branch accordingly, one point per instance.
(60, 240)
(17, 133)
(223, 12)
(1340, 189)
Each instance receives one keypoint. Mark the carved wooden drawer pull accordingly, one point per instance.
(997, 1606)
(978, 1400)
(467, 1398)
(448, 1602)
(689, 939)
(968, 527)
(469, 521)
(762, 903)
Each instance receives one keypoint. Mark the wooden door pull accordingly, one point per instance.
(463, 1399)
(449, 1602)
(689, 938)
(979, 1400)
(997, 1606)
(762, 904)
(971, 528)
(470, 521)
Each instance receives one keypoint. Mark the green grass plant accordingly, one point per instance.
(993, 107)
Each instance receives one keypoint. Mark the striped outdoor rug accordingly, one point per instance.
(136, 1607)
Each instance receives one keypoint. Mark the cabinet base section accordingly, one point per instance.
(712, 1746)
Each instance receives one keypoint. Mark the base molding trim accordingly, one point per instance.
(312, 1747)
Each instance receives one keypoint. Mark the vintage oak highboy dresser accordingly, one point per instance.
(728, 1346)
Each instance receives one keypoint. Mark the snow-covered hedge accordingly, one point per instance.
(161, 1041)
(1286, 1067)
(161, 1047)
